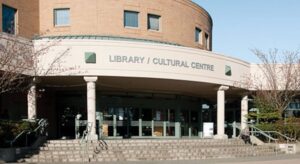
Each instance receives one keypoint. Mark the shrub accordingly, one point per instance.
(10, 129)
(289, 127)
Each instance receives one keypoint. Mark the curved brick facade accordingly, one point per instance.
(178, 21)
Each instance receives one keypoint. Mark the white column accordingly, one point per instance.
(244, 112)
(91, 105)
(221, 113)
(31, 102)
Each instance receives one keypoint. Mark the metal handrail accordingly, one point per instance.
(282, 135)
(86, 132)
(85, 137)
(18, 136)
(42, 125)
(257, 130)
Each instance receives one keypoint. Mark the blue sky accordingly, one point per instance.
(242, 25)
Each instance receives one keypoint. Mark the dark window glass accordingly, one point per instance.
(207, 41)
(8, 19)
(131, 19)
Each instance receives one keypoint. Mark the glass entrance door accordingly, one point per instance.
(118, 120)
(68, 106)
(127, 123)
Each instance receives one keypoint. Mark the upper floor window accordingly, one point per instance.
(8, 19)
(153, 22)
(62, 17)
(131, 19)
(207, 41)
(198, 35)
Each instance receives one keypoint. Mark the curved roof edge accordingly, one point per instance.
(197, 5)
(105, 37)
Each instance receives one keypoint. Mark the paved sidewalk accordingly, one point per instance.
(280, 159)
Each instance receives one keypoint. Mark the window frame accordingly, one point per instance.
(124, 19)
(55, 17)
(148, 21)
(207, 41)
(198, 35)
(15, 19)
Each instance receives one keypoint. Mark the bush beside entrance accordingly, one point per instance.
(10, 129)
(289, 127)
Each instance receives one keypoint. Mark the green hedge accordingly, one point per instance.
(289, 127)
(10, 129)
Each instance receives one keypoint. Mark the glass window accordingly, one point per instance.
(61, 17)
(8, 19)
(153, 22)
(198, 34)
(207, 41)
(131, 19)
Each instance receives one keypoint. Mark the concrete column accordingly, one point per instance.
(221, 113)
(31, 102)
(244, 112)
(91, 105)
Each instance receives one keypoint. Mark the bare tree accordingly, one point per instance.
(19, 62)
(276, 81)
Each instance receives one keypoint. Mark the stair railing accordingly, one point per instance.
(85, 139)
(41, 128)
(271, 134)
(288, 139)
(87, 132)
(255, 130)
(235, 126)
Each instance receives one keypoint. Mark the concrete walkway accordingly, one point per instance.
(280, 159)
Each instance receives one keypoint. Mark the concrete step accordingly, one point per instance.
(146, 150)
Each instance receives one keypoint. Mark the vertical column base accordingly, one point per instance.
(177, 130)
(222, 136)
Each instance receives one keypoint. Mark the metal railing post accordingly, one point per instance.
(152, 128)
(114, 125)
(177, 130)
(140, 127)
(234, 129)
(164, 128)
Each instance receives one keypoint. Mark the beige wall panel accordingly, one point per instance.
(146, 66)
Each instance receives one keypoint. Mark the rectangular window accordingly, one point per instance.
(62, 17)
(153, 22)
(207, 41)
(8, 19)
(198, 35)
(131, 19)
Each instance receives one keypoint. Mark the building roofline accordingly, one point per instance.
(105, 37)
(205, 11)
